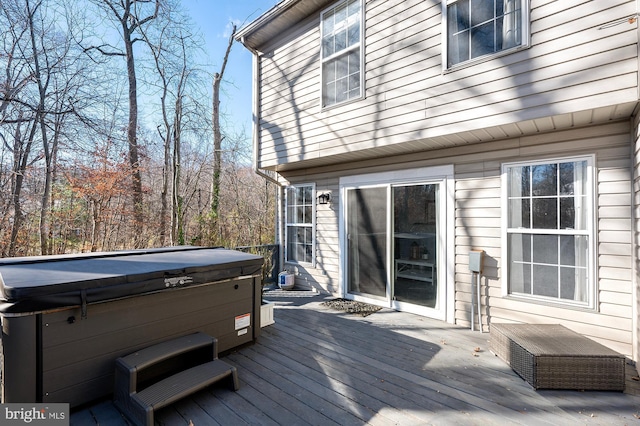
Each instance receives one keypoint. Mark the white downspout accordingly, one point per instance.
(255, 111)
(636, 218)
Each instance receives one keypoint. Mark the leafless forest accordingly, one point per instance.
(107, 133)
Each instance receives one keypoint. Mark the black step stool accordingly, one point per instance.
(159, 375)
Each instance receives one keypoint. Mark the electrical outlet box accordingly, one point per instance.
(476, 258)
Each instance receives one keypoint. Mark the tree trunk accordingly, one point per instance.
(217, 146)
(20, 161)
(178, 214)
(217, 133)
(132, 136)
(42, 92)
(166, 171)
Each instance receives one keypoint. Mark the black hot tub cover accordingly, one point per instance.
(30, 284)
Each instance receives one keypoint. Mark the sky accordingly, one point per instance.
(214, 18)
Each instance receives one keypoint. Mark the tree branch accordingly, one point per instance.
(226, 55)
(137, 23)
(102, 51)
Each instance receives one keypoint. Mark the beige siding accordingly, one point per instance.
(324, 276)
(570, 93)
(572, 65)
(611, 323)
(478, 225)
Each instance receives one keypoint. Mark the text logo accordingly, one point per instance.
(34, 414)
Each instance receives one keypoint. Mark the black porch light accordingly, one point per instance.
(324, 198)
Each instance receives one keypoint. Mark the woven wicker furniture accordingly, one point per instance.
(550, 356)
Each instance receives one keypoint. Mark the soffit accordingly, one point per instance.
(277, 20)
(440, 146)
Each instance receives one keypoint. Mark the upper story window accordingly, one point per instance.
(476, 28)
(549, 230)
(341, 52)
(300, 222)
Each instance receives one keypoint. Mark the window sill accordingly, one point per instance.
(482, 59)
(339, 104)
(551, 303)
(297, 263)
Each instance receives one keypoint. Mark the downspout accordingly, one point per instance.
(635, 167)
(255, 108)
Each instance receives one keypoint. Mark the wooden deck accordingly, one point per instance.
(317, 366)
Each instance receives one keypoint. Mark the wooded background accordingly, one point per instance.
(107, 133)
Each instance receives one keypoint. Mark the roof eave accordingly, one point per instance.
(244, 34)
(277, 21)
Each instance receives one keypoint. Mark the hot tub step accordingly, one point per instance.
(151, 355)
(159, 375)
(180, 385)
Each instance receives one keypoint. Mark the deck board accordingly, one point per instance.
(317, 366)
(459, 395)
(300, 383)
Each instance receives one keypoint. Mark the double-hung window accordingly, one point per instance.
(342, 52)
(300, 223)
(549, 230)
(477, 28)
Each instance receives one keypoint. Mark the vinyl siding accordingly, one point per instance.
(570, 93)
(571, 65)
(478, 225)
(611, 322)
(324, 276)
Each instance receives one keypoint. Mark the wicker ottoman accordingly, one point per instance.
(550, 356)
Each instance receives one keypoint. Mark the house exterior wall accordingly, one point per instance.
(324, 274)
(567, 94)
(409, 99)
(478, 221)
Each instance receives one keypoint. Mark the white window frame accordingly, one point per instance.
(345, 51)
(525, 25)
(289, 223)
(444, 175)
(590, 218)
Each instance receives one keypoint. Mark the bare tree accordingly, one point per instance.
(158, 51)
(131, 16)
(50, 50)
(217, 132)
(60, 191)
(19, 114)
(172, 45)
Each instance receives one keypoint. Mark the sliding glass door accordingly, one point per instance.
(415, 245)
(367, 241)
(393, 248)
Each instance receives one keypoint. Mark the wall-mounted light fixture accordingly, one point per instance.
(324, 198)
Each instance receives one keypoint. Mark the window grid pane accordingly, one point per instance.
(548, 257)
(477, 28)
(299, 211)
(341, 53)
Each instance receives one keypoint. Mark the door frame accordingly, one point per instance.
(446, 274)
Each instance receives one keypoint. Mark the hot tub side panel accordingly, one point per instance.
(79, 353)
(20, 352)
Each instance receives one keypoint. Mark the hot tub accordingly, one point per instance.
(65, 319)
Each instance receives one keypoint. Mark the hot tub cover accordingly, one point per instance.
(29, 284)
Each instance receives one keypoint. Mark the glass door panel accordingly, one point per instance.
(367, 241)
(415, 243)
